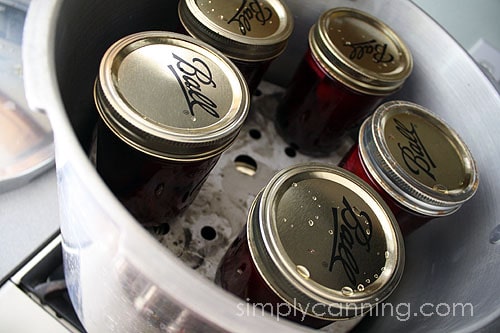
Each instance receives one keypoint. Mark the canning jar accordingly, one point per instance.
(251, 33)
(417, 162)
(169, 106)
(320, 245)
(353, 61)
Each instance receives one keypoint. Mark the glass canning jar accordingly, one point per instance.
(353, 62)
(417, 162)
(320, 245)
(169, 106)
(251, 33)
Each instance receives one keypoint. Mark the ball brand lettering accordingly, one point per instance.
(414, 153)
(350, 230)
(248, 11)
(192, 78)
(377, 51)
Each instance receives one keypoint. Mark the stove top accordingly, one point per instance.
(44, 281)
(36, 298)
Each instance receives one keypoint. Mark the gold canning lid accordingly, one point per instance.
(243, 30)
(360, 51)
(325, 241)
(418, 159)
(171, 96)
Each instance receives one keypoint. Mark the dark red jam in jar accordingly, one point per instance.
(169, 106)
(353, 62)
(419, 165)
(251, 33)
(320, 245)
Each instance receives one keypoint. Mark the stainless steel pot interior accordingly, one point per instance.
(121, 279)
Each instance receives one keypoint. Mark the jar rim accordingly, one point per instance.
(161, 116)
(398, 179)
(272, 254)
(353, 57)
(216, 30)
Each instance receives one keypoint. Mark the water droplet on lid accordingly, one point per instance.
(314, 198)
(375, 276)
(440, 188)
(347, 291)
(294, 184)
(386, 254)
(330, 232)
(382, 269)
(319, 206)
(316, 217)
(291, 225)
(284, 220)
(361, 287)
(304, 272)
(310, 222)
(193, 119)
(367, 281)
(368, 232)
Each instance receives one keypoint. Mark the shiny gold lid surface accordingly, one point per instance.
(360, 51)
(320, 235)
(245, 30)
(418, 159)
(170, 95)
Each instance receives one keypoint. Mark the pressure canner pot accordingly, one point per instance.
(122, 279)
